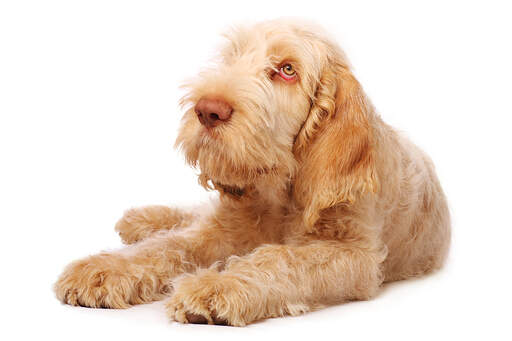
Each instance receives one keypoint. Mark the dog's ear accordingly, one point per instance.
(335, 146)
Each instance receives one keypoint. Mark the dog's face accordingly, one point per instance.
(262, 81)
(257, 112)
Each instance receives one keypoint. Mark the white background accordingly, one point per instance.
(89, 114)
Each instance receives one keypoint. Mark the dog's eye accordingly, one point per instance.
(287, 72)
(288, 69)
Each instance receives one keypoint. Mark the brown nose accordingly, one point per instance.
(212, 112)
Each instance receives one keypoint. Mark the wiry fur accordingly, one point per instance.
(320, 201)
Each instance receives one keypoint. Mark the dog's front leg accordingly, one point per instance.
(140, 223)
(277, 280)
(142, 272)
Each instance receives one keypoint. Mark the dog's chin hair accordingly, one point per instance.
(270, 185)
(219, 162)
(240, 177)
(217, 166)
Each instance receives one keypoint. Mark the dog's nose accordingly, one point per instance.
(212, 112)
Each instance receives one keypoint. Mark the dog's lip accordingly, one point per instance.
(207, 131)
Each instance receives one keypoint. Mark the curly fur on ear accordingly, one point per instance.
(335, 146)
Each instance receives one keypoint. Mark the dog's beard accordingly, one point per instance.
(237, 155)
(235, 163)
(221, 165)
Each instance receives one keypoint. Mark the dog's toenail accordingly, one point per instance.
(196, 319)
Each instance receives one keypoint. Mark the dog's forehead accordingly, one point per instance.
(268, 40)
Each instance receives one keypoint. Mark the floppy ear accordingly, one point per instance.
(335, 147)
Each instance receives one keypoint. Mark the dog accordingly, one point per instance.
(320, 201)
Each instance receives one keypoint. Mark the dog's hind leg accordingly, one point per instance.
(141, 222)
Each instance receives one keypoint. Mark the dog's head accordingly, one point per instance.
(281, 103)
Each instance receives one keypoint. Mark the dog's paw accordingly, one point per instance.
(214, 298)
(104, 281)
(139, 223)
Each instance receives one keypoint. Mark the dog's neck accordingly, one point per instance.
(271, 192)
(232, 191)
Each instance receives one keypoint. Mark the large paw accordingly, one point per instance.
(214, 298)
(105, 281)
(139, 223)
